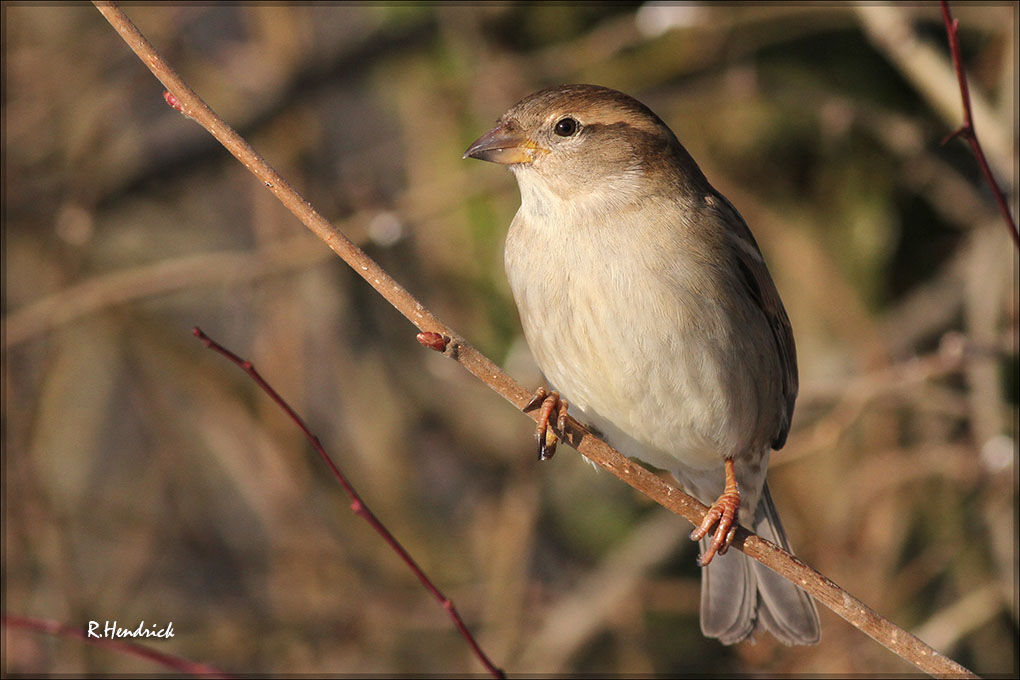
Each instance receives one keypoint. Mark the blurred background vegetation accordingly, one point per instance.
(147, 479)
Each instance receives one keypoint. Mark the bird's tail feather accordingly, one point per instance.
(739, 594)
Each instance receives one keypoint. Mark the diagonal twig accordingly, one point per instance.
(966, 129)
(894, 638)
(358, 506)
(177, 663)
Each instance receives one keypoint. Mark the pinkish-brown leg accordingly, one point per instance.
(548, 402)
(724, 512)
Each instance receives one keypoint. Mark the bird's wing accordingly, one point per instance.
(760, 287)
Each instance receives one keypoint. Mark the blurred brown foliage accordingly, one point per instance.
(145, 478)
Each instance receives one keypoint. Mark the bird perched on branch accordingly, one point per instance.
(647, 304)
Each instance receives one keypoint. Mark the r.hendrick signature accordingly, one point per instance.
(112, 630)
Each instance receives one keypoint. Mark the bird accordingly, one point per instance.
(648, 307)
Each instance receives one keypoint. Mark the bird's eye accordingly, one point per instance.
(566, 127)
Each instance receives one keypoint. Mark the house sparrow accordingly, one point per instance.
(646, 303)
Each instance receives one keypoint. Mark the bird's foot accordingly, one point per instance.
(722, 515)
(548, 402)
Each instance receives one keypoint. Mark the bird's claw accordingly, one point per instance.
(547, 437)
(722, 515)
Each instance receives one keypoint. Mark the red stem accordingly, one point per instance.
(123, 646)
(357, 505)
(967, 129)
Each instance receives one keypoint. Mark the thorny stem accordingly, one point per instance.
(966, 130)
(883, 631)
(358, 506)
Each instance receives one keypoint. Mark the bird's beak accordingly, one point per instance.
(505, 146)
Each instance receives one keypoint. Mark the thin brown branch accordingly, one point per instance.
(122, 646)
(899, 641)
(166, 276)
(966, 130)
(358, 506)
(107, 290)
